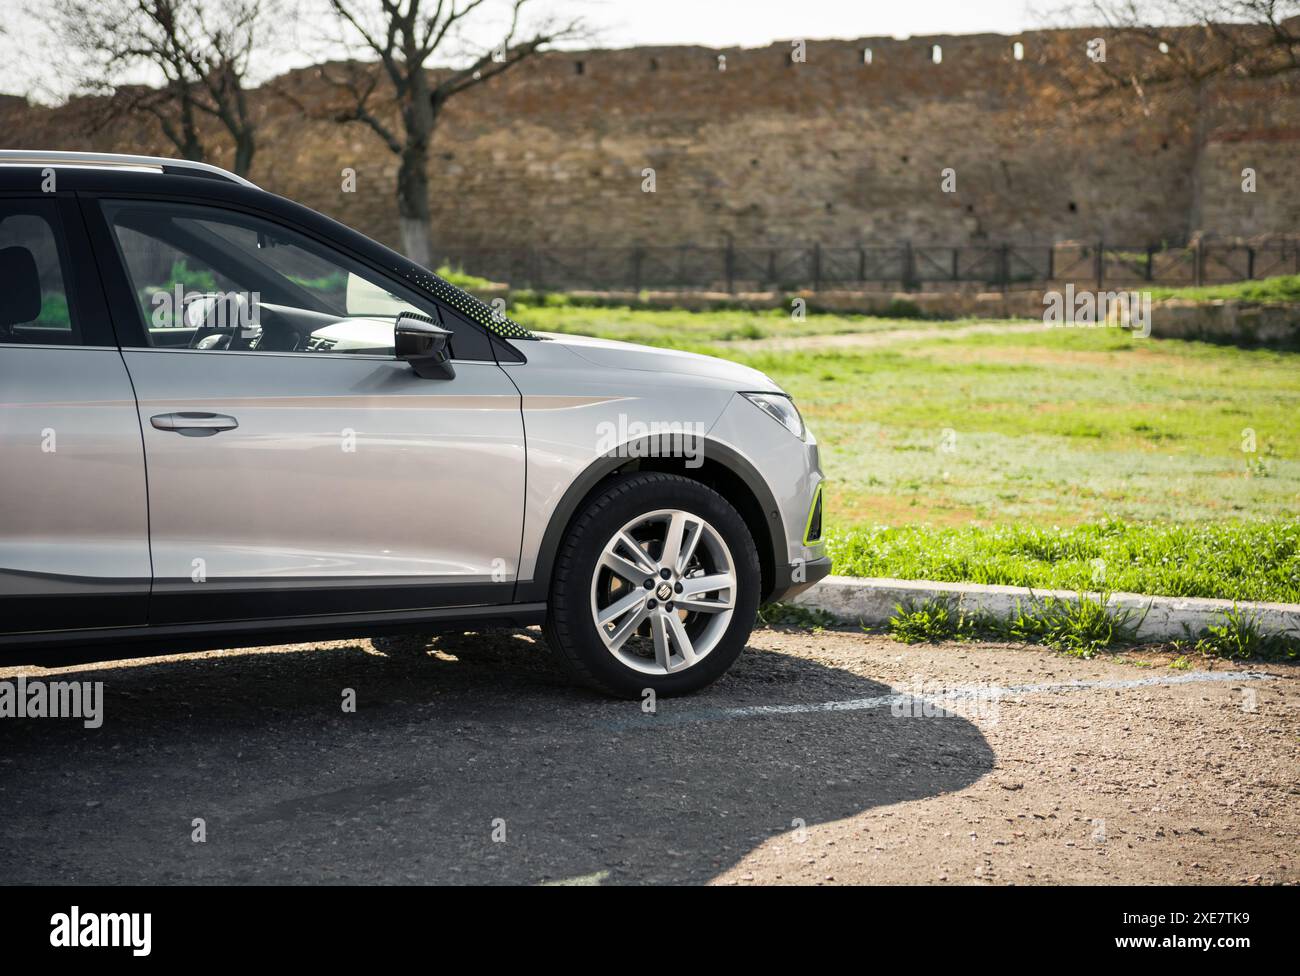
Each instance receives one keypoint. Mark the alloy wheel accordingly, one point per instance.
(663, 591)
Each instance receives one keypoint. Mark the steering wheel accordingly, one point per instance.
(221, 320)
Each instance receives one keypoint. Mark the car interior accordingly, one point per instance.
(20, 290)
(254, 305)
(34, 307)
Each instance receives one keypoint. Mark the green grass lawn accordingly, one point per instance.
(1021, 457)
(1238, 560)
(1010, 459)
(679, 328)
(1049, 427)
(1282, 288)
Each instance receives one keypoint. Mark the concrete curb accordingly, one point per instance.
(872, 602)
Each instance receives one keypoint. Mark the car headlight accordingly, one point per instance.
(780, 408)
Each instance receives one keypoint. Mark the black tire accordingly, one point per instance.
(569, 628)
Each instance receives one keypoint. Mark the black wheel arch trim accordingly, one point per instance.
(627, 458)
(811, 572)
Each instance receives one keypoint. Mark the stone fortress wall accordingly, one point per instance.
(837, 149)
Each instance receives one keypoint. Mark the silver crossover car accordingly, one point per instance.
(226, 420)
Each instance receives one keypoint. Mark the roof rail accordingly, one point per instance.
(91, 160)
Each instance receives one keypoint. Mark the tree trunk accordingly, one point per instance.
(413, 205)
(190, 145)
(419, 113)
(416, 241)
(1200, 131)
(244, 149)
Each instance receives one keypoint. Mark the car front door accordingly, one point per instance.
(296, 467)
(74, 543)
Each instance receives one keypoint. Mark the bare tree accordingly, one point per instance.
(405, 36)
(1181, 44)
(201, 50)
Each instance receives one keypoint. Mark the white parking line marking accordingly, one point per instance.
(581, 881)
(956, 692)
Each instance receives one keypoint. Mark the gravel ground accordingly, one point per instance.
(1014, 779)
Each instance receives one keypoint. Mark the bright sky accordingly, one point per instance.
(28, 67)
(754, 23)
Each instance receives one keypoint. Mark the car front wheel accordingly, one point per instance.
(656, 586)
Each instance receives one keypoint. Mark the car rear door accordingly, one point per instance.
(296, 468)
(74, 544)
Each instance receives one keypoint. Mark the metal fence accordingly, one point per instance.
(908, 267)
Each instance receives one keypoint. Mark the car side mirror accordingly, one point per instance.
(424, 344)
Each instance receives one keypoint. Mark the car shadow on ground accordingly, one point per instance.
(474, 764)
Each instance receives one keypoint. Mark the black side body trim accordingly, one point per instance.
(182, 601)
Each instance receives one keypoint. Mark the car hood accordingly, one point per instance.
(612, 354)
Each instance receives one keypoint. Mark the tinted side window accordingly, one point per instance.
(219, 280)
(35, 306)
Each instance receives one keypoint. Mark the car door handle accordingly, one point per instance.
(194, 424)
